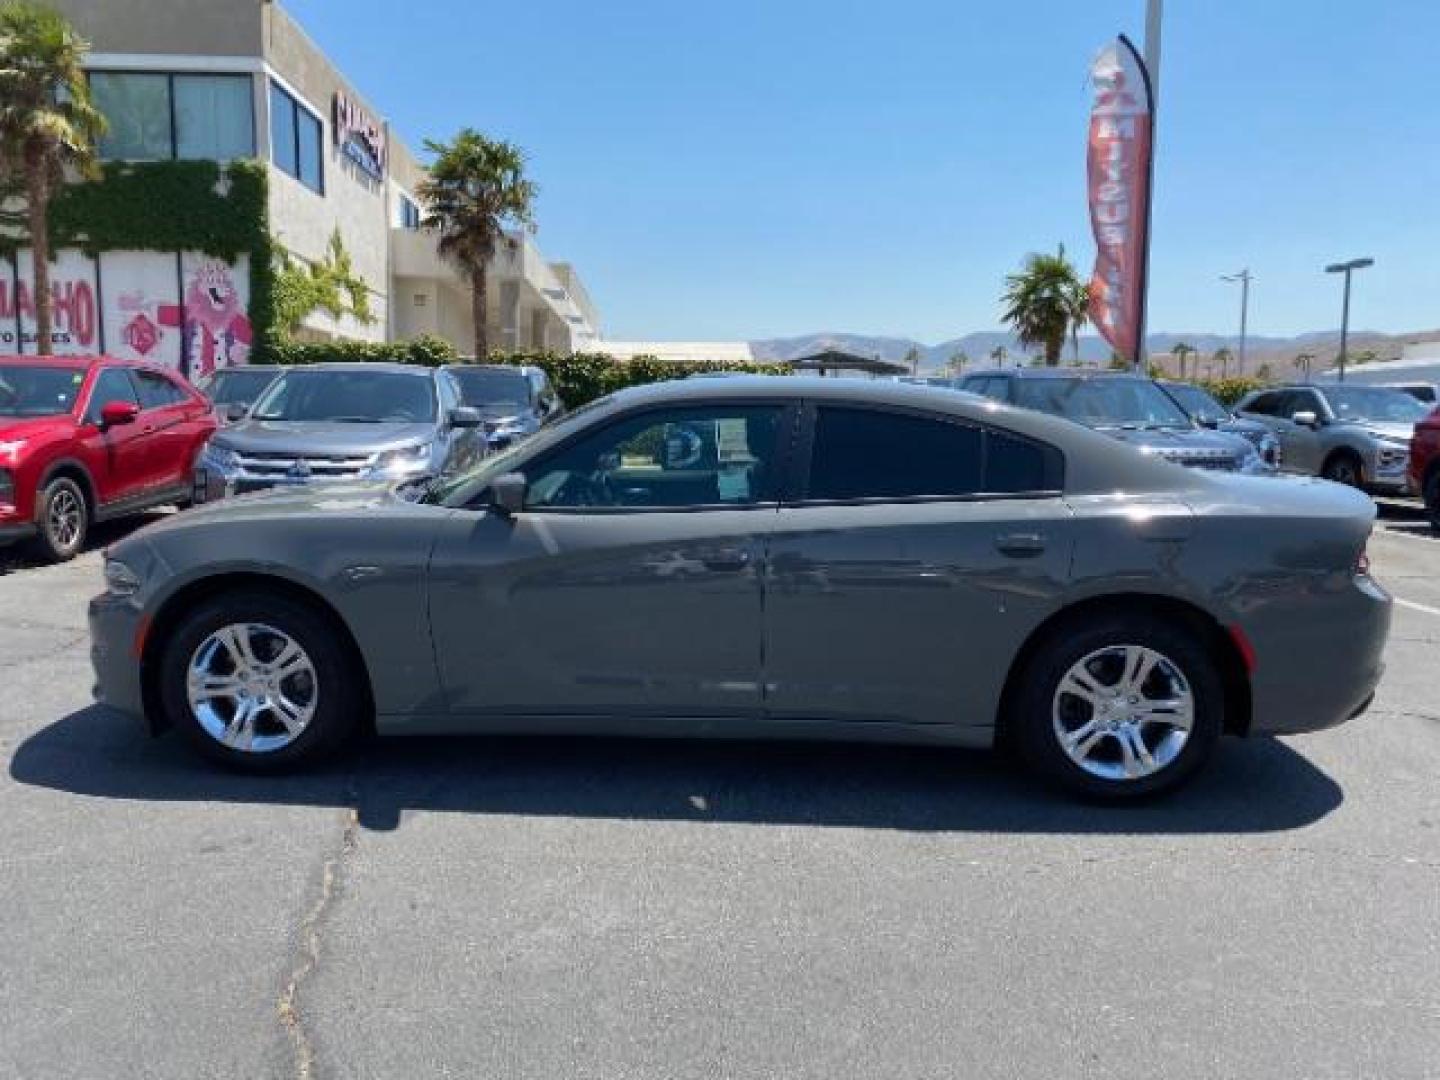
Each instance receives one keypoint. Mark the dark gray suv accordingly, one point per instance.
(330, 422)
(1127, 407)
(514, 401)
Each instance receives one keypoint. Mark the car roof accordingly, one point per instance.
(1060, 373)
(519, 369)
(79, 362)
(368, 365)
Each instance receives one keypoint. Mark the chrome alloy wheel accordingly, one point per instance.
(252, 687)
(63, 517)
(1124, 712)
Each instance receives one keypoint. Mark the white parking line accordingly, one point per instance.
(1426, 608)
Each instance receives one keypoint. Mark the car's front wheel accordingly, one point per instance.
(1344, 468)
(259, 681)
(64, 520)
(1128, 706)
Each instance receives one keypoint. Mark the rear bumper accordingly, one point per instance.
(1319, 668)
(114, 654)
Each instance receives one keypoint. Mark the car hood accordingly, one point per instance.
(314, 437)
(1241, 426)
(19, 429)
(1188, 446)
(340, 499)
(1396, 431)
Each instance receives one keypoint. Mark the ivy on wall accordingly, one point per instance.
(217, 209)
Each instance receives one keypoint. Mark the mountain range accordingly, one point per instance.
(1277, 352)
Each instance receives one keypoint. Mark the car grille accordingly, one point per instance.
(281, 467)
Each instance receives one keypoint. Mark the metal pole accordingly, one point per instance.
(1344, 323)
(1244, 315)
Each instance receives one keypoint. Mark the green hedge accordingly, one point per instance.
(579, 378)
(1229, 391)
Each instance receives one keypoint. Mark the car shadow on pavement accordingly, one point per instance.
(1258, 785)
(19, 557)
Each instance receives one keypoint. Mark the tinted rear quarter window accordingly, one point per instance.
(873, 454)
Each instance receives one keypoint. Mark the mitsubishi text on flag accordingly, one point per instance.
(1119, 180)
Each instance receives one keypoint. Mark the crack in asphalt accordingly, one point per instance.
(308, 945)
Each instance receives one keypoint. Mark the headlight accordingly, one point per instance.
(1269, 447)
(1393, 456)
(220, 458)
(406, 461)
(120, 580)
(7, 487)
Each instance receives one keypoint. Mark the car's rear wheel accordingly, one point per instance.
(63, 520)
(1344, 468)
(1123, 708)
(259, 682)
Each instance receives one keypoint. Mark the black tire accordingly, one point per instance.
(1345, 468)
(63, 519)
(1032, 722)
(1432, 498)
(337, 703)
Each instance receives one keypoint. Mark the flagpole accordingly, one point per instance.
(1153, 14)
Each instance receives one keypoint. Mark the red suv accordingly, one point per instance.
(83, 439)
(1425, 465)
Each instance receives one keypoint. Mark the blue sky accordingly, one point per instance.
(769, 167)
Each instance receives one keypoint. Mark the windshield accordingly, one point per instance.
(238, 387)
(1102, 402)
(1198, 403)
(459, 489)
(1374, 403)
(489, 390)
(349, 396)
(38, 391)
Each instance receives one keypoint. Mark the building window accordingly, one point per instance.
(157, 116)
(409, 213)
(296, 140)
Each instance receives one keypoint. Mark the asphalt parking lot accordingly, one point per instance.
(546, 909)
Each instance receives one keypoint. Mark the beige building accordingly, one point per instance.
(227, 79)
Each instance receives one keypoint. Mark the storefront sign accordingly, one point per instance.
(74, 313)
(360, 137)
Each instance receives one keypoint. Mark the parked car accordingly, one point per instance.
(1203, 408)
(1130, 408)
(1355, 435)
(788, 558)
(513, 401)
(329, 422)
(232, 390)
(88, 439)
(1425, 392)
(1425, 465)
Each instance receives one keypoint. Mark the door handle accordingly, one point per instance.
(727, 561)
(1020, 545)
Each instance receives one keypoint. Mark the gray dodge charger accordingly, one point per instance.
(761, 557)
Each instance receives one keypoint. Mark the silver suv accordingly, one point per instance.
(1355, 435)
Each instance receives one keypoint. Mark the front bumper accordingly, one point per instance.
(116, 628)
(1319, 667)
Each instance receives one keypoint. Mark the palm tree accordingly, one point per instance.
(912, 360)
(1223, 356)
(1045, 303)
(476, 188)
(1180, 352)
(1303, 362)
(958, 360)
(998, 355)
(47, 123)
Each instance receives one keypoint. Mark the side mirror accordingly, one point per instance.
(1306, 418)
(507, 493)
(465, 417)
(236, 411)
(116, 413)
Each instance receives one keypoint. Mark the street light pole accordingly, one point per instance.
(1244, 278)
(1346, 268)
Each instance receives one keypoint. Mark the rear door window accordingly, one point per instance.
(155, 390)
(875, 454)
